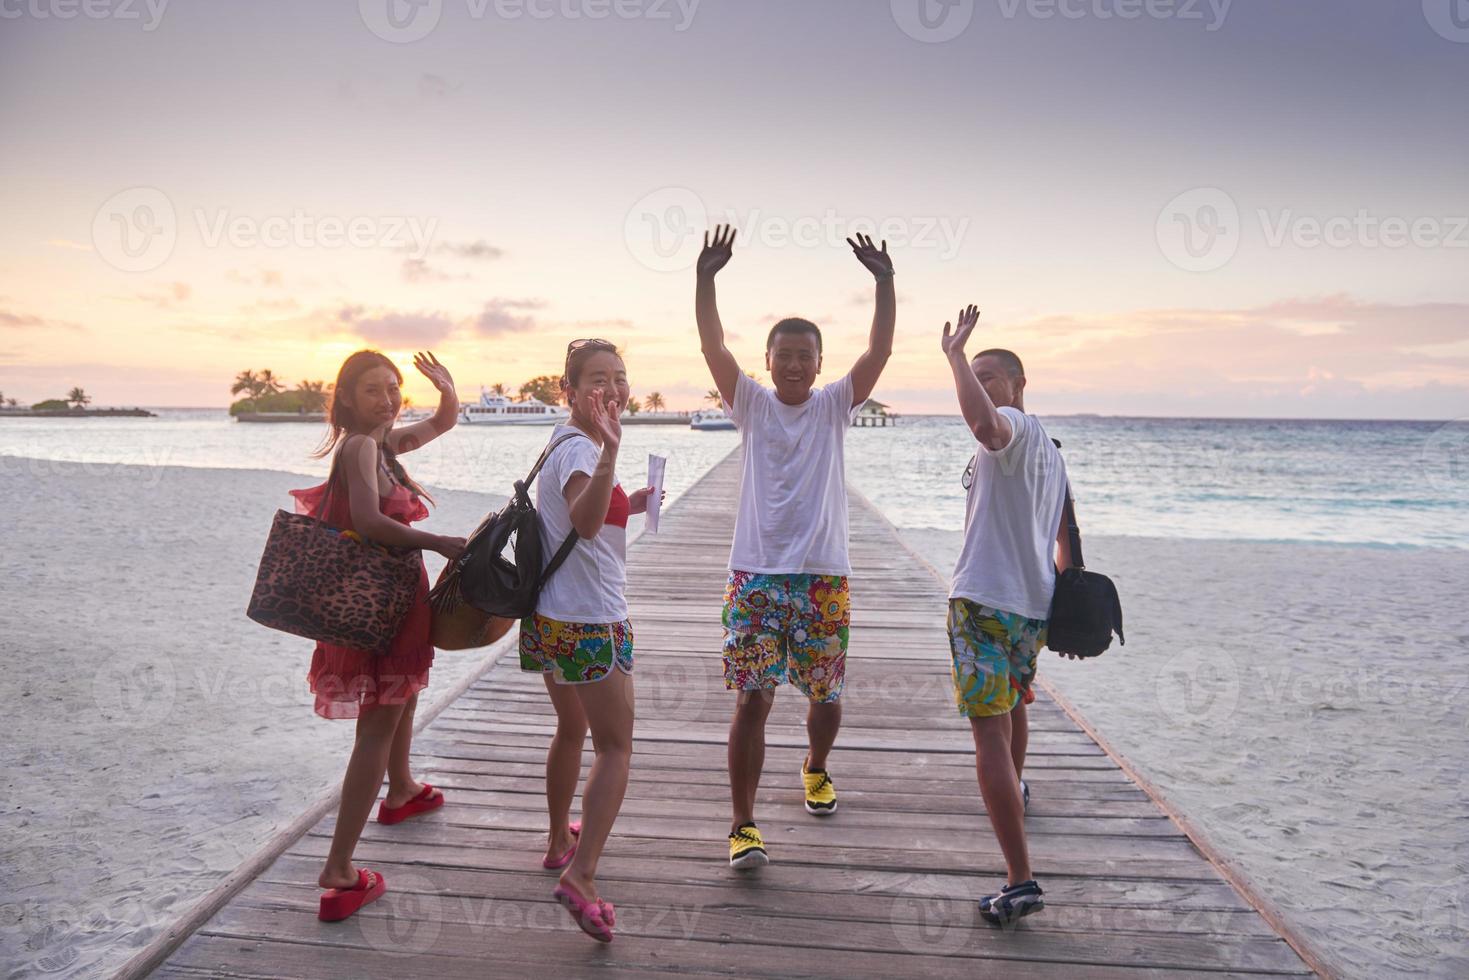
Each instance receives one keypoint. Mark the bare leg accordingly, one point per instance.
(823, 721)
(1019, 736)
(402, 787)
(608, 704)
(1000, 787)
(365, 769)
(747, 751)
(563, 764)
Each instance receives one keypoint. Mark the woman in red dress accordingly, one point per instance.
(370, 493)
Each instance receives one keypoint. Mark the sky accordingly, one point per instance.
(1165, 207)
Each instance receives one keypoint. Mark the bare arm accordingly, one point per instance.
(990, 427)
(359, 461)
(722, 365)
(880, 342)
(589, 496)
(411, 437)
(1063, 545)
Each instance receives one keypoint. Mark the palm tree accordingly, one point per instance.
(713, 395)
(498, 388)
(270, 384)
(246, 382)
(313, 396)
(655, 402)
(11, 403)
(78, 398)
(634, 406)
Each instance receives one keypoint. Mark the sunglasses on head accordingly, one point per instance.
(591, 343)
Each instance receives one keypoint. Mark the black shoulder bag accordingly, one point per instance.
(485, 577)
(1085, 607)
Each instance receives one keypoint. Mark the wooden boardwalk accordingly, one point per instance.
(884, 888)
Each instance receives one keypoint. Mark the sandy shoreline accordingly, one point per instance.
(1316, 734)
(165, 735)
(1307, 706)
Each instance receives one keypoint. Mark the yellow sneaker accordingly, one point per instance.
(747, 847)
(821, 792)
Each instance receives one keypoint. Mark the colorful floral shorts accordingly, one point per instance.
(574, 653)
(994, 657)
(786, 627)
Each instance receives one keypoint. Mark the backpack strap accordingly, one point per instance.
(522, 486)
(1073, 530)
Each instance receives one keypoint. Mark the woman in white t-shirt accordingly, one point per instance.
(580, 639)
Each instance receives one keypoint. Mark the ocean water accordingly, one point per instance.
(1371, 483)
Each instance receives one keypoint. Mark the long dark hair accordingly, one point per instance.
(343, 421)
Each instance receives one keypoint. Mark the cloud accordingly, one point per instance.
(498, 316)
(436, 87)
(67, 243)
(418, 270)
(396, 330)
(478, 249)
(168, 297)
(29, 321)
(260, 277)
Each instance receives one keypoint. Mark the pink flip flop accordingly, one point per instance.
(551, 864)
(595, 918)
(422, 803)
(340, 903)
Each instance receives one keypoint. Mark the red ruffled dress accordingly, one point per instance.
(343, 679)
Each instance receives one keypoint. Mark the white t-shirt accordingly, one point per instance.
(589, 586)
(1010, 522)
(792, 516)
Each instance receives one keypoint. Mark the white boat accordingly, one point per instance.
(499, 410)
(711, 420)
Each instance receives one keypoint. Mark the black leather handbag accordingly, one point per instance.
(1085, 608)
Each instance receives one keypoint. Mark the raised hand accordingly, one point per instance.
(430, 368)
(716, 254)
(953, 343)
(605, 420)
(876, 260)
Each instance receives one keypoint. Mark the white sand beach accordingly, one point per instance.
(1304, 703)
(1308, 707)
(159, 736)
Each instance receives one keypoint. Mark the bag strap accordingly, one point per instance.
(1068, 514)
(564, 551)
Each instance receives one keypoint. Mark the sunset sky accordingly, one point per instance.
(1256, 208)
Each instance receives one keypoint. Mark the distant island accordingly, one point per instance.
(73, 406)
(267, 400)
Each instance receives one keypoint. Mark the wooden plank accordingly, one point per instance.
(886, 887)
